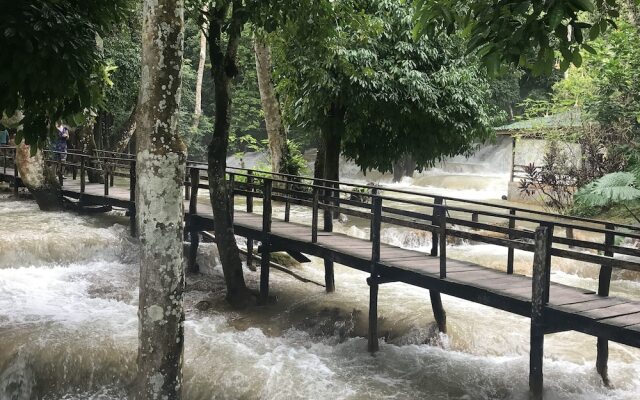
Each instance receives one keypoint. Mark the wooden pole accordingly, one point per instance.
(434, 215)
(539, 298)
(249, 192)
(287, 203)
(250, 254)
(314, 216)
(265, 262)
(442, 233)
(232, 184)
(373, 279)
(604, 284)
(438, 310)
(106, 180)
(15, 171)
(82, 174)
(510, 251)
(194, 235)
(187, 185)
(374, 193)
(329, 275)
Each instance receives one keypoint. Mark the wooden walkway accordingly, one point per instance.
(552, 307)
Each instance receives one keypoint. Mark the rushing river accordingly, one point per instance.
(68, 323)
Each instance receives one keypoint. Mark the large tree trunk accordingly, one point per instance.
(39, 179)
(197, 112)
(271, 107)
(331, 137)
(633, 13)
(224, 68)
(161, 159)
(405, 166)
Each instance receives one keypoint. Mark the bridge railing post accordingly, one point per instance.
(250, 191)
(187, 184)
(442, 234)
(82, 174)
(106, 179)
(604, 284)
(194, 235)
(376, 225)
(374, 194)
(232, 188)
(132, 181)
(287, 202)
(437, 201)
(314, 214)
(265, 261)
(4, 161)
(539, 299)
(510, 251)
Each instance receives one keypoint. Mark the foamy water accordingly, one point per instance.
(68, 326)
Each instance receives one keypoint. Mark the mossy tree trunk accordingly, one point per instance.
(160, 167)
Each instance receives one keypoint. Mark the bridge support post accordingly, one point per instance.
(539, 299)
(604, 283)
(376, 223)
(194, 235)
(329, 278)
(372, 345)
(438, 311)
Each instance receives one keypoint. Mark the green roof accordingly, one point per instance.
(567, 119)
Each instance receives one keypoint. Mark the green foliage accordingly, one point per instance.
(53, 67)
(294, 162)
(524, 33)
(398, 95)
(614, 188)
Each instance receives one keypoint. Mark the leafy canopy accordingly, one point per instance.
(399, 95)
(52, 65)
(521, 32)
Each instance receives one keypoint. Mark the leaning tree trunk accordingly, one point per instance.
(39, 179)
(161, 162)
(224, 68)
(126, 132)
(271, 107)
(331, 140)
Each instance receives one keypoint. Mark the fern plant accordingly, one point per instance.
(615, 188)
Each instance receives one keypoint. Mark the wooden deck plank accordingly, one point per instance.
(624, 320)
(612, 311)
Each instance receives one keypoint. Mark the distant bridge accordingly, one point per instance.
(552, 307)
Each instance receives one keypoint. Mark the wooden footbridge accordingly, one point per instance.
(552, 307)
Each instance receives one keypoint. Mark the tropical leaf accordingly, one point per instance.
(618, 187)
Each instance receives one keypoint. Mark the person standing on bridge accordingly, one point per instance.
(4, 136)
(60, 144)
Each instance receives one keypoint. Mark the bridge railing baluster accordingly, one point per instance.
(314, 215)
(437, 201)
(266, 229)
(376, 225)
(442, 234)
(232, 184)
(374, 194)
(250, 191)
(187, 184)
(106, 179)
(132, 180)
(510, 251)
(287, 202)
(82, 174)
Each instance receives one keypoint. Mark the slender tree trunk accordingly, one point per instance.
(197, 112)
(85, 142)
(224, 68)
(126, 132)
(38, 179)
(271, 107)
(161, 159)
